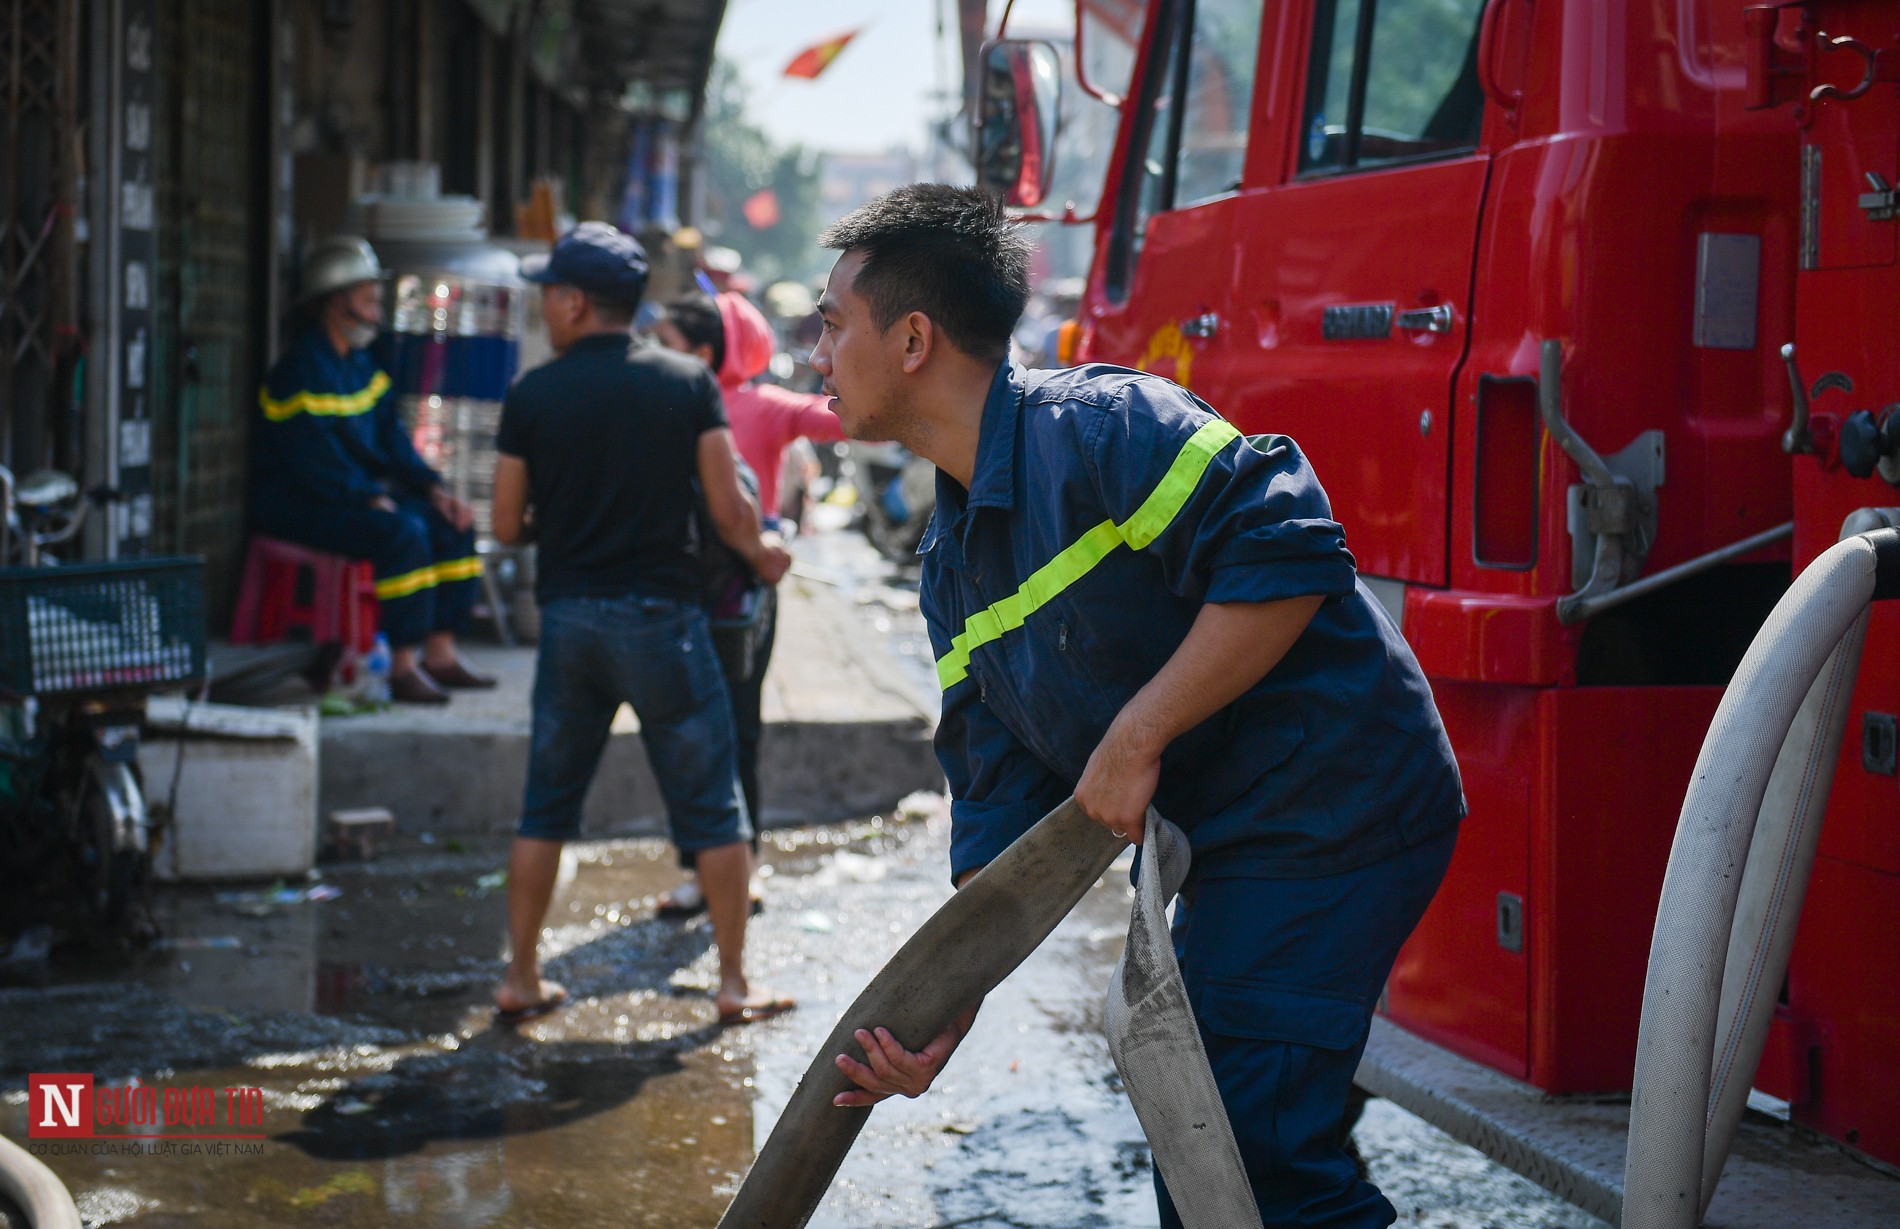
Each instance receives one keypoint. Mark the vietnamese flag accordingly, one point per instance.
(818, 57)
(761, 209)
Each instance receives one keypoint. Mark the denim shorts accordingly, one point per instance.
(656, 655)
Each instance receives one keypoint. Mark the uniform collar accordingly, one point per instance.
(993, 483)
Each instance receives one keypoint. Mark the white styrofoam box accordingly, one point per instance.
(247, 789)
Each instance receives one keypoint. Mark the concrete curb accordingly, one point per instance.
(470, 780)
(847, 733)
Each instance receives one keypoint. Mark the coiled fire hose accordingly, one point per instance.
(37, 1191)
(960, 954)
(1722, 939)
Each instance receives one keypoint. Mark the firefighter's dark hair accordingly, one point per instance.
(951, 253)
(697, 318)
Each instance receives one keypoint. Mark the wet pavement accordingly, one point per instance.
(389, 1096)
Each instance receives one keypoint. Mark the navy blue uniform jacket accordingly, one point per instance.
(1106, 507)
(330, 432)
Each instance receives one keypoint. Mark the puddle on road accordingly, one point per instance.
(389, 1097)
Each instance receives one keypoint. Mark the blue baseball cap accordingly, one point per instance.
(596, 258)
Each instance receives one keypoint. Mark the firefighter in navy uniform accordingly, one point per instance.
(1131, 602)
(334, 470)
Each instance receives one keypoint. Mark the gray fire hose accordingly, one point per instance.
(960, 954)
(1157, 1048)
(1722, 938)
(27, 1181)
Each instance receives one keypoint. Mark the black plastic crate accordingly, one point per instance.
(101, 626)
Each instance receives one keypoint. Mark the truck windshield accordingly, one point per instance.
(1391, 81)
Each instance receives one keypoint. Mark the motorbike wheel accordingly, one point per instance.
(114, 880)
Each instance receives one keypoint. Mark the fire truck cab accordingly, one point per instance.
(1569, 302)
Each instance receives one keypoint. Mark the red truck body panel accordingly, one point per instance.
(1626, 195)
(1839, 1023)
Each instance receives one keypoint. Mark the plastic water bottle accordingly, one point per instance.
(376, 672)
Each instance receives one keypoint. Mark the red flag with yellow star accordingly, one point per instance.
(818, 57)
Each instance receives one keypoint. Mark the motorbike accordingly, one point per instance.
(82, 645)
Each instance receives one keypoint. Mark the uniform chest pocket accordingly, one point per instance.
(1054, 710)
(1075, 646)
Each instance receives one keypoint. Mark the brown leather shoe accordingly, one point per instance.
(459, 675)
(416, 687)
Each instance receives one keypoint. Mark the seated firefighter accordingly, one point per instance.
(334, 470)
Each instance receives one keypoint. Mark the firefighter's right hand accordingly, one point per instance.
(383, 503)
(893, 1071)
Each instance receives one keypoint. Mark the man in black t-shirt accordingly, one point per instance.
(604, 443)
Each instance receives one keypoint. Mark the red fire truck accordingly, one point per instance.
(1576, 306)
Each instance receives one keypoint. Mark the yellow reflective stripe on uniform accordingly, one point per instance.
(458, 569)
(1171, 494)
(435, 574)
(393, 587)
(1077, 559)
(335, 405)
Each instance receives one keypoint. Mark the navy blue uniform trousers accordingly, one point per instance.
(1284, 975)
(426, 569)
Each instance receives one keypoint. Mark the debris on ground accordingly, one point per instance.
(263, 903)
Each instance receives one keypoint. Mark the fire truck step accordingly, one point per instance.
(1776, 1176)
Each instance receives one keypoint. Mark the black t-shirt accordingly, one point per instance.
(610, 434)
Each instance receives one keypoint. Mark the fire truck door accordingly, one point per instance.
(1169, 264)
(1356, 272)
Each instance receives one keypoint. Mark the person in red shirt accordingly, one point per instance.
(730, 336)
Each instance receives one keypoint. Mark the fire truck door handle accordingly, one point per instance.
(1427, 319)
(1201, 327)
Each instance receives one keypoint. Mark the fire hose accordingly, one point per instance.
(960, 954)
(1722, 939)
(27, 1181)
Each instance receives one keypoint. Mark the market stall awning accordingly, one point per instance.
(655, 54)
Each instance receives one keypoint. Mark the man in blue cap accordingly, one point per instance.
(604, 444)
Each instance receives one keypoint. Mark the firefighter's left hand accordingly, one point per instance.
(1119, 782)
(457, 512)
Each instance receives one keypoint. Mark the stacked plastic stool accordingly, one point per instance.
(289, 588)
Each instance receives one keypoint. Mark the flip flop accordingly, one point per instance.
(515, 1015)
(755, 1013)
(694, 904)
(687, 900)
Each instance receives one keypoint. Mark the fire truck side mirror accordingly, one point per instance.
(1018, 100)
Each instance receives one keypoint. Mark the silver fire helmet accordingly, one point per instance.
(337, 262)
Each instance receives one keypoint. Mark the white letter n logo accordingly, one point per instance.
(67, 1110)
